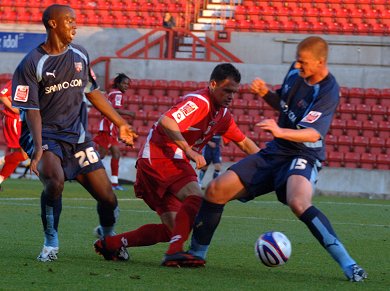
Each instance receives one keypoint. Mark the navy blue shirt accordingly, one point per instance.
(55, 85)
(302, 105)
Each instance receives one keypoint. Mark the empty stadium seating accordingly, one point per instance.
(324, 17)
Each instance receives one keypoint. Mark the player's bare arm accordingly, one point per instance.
(125, 112)
(172, 130)
(126, 133)
(7, 103)
(248, 146)
(295, 135)
(34, 122)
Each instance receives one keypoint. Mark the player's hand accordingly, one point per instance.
(197, 158)
(271, 126)
(36, 157)
(259, 87)
(127, 134)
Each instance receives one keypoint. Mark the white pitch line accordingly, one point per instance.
(224, 216)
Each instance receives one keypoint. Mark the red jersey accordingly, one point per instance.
(7, 92)
(115, 97)
(198, 120)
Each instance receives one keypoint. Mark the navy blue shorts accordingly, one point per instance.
(76, 159)
(263, 173)
(212, 155)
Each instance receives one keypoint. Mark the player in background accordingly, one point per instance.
(49, 87)
(212, 154)
(107, 138)
(307, 101)
(11, 130)
(166, 180)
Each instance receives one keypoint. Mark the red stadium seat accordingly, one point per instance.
(346, 111)
(133, 102)
(368, 161)
(385, 97)
(354, 127)
(379, 113)
(360, 144)
(335, 159)
(383, 161)
(352, 160)
(149, 102)
(377, 145)
(369, 128)
(356, 95)
(372, 96)
(363, 112)
(338, 127)
(331, 142)
(345, 143)
(239, 106)
(383, 128)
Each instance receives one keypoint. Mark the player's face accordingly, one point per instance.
(66, 25)
(124, 85)
(224, 91)
(307, 64)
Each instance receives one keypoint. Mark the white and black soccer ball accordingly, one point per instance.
(273, 248)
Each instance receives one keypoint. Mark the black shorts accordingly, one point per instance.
(76, 159)
(263, 173)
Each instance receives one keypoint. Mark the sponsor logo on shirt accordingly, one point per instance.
(184, 111)
(21, 93)
(78, 66)
(312, 116)
(63, 85)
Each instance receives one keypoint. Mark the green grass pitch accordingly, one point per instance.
(363, 226)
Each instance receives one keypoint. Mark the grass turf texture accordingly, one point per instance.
(362, 225)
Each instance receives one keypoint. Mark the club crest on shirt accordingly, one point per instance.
(184, 111)
(312, 116)
(5, 90)
(21, 93)
(78, 66)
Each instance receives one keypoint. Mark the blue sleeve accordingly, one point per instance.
(25, 86)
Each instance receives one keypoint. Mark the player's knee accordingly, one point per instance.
(214, 193)
(297, 206)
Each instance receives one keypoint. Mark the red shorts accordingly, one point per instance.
(158, 182)
(105, 140)
(12, 128)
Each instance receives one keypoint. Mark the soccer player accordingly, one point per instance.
(107, 138)
(307, 101)
(11, 130)
(212, 154)
(49, 87)
(166, 180)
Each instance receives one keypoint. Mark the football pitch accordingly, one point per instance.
(363, 226)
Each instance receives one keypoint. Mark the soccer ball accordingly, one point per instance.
(273, 248)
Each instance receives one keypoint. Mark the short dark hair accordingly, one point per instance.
(119, 78)
(225, 71)
(50, 12)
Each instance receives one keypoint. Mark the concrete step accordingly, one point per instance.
(207, 26)
(226, 1)
(187, 55)
(220, 7)
(211, 20)
(217, 13)
(190, 40)
(188, 48)
(200, 34)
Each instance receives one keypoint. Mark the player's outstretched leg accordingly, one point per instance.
(321, 228)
